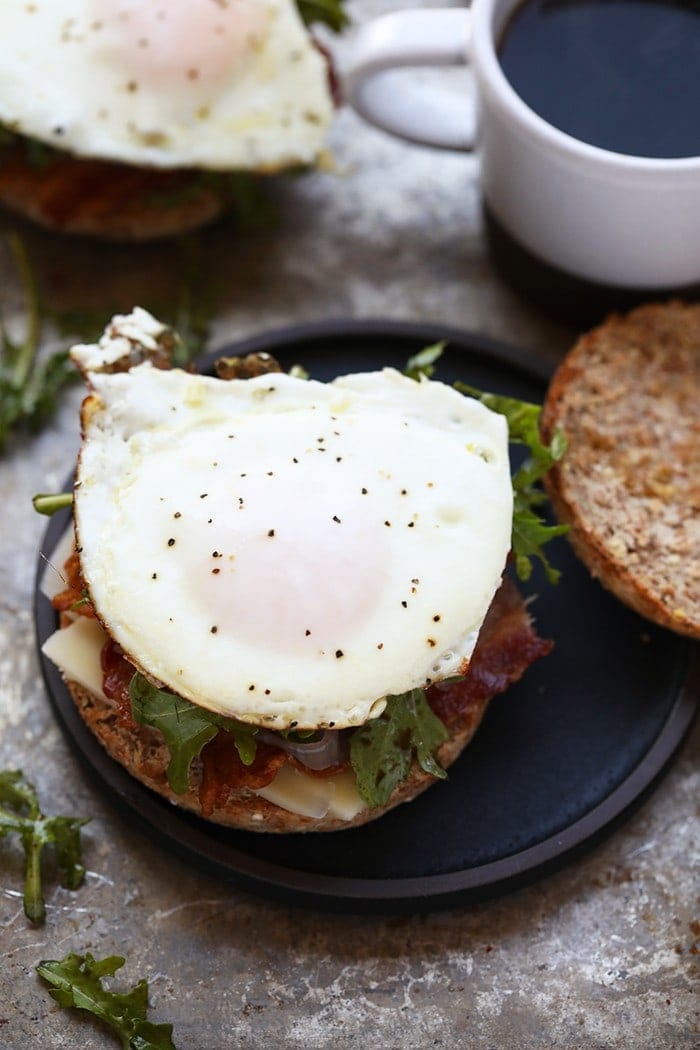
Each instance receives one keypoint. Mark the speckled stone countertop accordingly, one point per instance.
(603, 954)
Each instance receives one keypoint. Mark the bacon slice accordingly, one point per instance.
(73, 597)
(508, 644)
(223, 771)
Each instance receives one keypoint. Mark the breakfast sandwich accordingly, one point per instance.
(134, 120)
(283, 606)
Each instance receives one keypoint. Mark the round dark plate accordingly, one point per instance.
(559, 759)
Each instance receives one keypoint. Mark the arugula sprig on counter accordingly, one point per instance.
(185, 727)
(20, 813)
(381, 751)
(76, 981)
(29, 387)
(31, 382)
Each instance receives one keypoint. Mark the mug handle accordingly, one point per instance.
(419, 113)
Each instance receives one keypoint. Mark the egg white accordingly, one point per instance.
(216, 84)
(290, 552)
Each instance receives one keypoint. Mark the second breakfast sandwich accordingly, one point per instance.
(132, 120)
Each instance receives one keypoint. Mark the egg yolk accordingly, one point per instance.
(171, 42)
(295, 580)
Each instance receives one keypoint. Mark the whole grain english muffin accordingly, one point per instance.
(119, 202)
(627, 398)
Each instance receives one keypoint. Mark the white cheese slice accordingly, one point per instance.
(297, 792)
(76, 652)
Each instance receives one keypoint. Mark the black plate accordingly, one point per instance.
(557, 762)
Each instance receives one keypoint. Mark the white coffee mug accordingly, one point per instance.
(618, 220)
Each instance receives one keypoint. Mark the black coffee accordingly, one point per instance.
(620, 74)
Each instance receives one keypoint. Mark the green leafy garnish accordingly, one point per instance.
(530, 531)
(329, 11)
(20, 812)
(31, 382)
(422, 364)
(29, 386)
(381, 752)
(49, 503)
(76, 981)
(185, 727)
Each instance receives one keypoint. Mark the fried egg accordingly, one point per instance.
(286, 551)
(216, 84)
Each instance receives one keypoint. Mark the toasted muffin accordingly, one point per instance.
(119, 202)
(627, 398)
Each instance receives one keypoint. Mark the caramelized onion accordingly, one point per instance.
(330, 749)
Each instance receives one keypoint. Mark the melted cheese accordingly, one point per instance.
(76, 652)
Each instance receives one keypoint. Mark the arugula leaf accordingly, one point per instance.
(76, 981)
(28, 389)
(31, 383)
(20, 812)
(329, 11)
(423, 363)
(381, 752)
(530, 531)
(186, 728)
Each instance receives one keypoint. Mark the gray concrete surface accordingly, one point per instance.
(602, 955)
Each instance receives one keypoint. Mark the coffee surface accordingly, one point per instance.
(620, 74)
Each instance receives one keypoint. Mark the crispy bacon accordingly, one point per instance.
(223, 771)
(74, 596)
(507, 645)
(117, 672)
